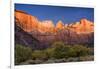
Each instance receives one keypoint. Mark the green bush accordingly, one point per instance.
(22, 53)
(39, 54)
(57, 51)
(71, 53)
(60, 50)
(49, 52)
(80, 50)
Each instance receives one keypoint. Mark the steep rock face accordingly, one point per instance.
(24, 38)
(59, 25)
(30, 23)
(46, 26)
(44, 32)
(84, 26)
(26, 21)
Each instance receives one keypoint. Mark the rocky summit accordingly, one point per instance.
(45, 32)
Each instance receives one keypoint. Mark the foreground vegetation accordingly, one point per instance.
(58, 52)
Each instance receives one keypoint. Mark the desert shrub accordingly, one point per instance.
(39, 54)
(71, 53)
(22, 53)
(58, 44)
(49, 52)
(91, 51)
(80, 50)
(60, 50)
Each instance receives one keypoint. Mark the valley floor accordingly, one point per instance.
(63, 60)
